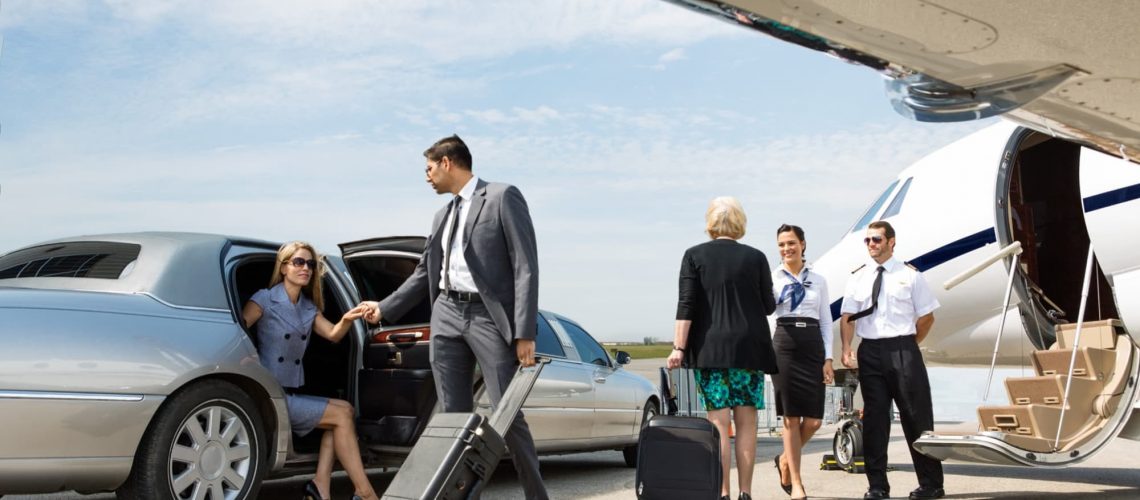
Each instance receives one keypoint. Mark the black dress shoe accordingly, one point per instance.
(780, 474)
(311, 492)
(927, 492)
(876, 494)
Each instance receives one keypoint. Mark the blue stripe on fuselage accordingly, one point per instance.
(955, 249)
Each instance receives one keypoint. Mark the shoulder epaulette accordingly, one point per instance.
(853, 271)
(908, 264)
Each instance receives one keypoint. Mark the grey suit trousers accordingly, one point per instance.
(463, 333)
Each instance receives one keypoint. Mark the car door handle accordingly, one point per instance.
(599, 379)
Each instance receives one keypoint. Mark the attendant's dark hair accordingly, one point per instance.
(453, 148)
(788, 227)
(799, 232)
(888, 231)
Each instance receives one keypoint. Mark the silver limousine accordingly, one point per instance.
(123, 366)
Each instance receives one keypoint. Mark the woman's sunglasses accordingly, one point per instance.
(299, 262)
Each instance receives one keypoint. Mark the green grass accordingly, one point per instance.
(644, 351)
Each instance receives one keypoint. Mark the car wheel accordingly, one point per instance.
(630, 452)
(206, 442)
(847, 444)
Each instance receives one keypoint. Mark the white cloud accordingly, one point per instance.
(672, 56)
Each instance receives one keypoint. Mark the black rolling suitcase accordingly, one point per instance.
(678, 458)
(458, 452)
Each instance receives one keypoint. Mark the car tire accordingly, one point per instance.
(208, 435)
(630, 452)
(847, 444)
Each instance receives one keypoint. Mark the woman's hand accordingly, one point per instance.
(356, 313)
(674, 360)
(828, 372)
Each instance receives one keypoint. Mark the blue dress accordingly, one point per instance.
(282, 336)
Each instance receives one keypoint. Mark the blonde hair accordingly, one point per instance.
(725, 217)
(313, 289)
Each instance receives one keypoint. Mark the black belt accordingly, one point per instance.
(892, 340)
(797, 322)
(462, 296)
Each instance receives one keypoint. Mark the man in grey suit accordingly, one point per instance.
(480, 271)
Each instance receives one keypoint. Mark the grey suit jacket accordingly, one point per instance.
(501, 254)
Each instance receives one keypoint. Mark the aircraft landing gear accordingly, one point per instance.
(847, 445)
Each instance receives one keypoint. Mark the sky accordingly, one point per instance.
(283, 120)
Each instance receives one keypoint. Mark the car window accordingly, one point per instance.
(80, 259)
(896, 204)
(547, 343)
(588, 348)
(869, 215)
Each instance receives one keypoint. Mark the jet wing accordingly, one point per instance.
(1062, 67)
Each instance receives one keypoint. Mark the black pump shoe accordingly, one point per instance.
(312, 492)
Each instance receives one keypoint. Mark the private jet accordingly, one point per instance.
(1049, 194)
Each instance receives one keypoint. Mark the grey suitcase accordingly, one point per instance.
(458, 452)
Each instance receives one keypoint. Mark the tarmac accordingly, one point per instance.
(1113, 473)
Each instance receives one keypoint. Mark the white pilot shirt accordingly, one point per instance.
(816, 303)
(457, 270)
(903, 299)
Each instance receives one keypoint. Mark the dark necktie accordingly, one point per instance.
(875, 288)
(450, 240)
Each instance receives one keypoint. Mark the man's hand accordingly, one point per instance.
(524, 349)
(371, 311)
(848, 358)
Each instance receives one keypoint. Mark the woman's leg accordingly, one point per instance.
(808, 428)
(793, 445)
(339, 419)
(323, 479)
(719, 419)
(745, 419)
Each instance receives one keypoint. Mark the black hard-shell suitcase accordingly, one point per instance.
(678, 458)
(458, 452)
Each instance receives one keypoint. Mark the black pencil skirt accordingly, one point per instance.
(799, 356)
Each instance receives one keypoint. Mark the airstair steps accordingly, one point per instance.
(1056, 362)
(1049, 390)
(1025, 430)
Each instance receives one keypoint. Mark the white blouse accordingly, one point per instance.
(816, 303)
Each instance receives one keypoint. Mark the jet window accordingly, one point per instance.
(896, 204)
(869, 215)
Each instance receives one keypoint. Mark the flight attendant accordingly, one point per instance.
(802, 341)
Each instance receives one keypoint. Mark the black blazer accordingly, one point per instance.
(726, 290)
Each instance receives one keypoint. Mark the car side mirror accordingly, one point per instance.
(622, 357)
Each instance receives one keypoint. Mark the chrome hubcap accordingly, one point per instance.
(210, 457)
(844, 451)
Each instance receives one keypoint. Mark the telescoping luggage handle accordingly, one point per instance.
(515, 395)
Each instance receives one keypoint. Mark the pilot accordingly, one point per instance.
(890, 306)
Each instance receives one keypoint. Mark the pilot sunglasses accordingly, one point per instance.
(876, 238)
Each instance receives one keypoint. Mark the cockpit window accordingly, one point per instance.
(896, 204)
(869, 215)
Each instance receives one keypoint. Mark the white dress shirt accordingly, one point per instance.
(903, 298)
(816, 303)
(458, 273)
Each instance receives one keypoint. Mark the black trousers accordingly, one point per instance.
(892, 370)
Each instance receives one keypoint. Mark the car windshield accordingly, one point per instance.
(83, 259)
(869, 215)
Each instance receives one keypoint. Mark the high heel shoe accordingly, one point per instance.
(312, 492)
(779, 473)
(803, 497)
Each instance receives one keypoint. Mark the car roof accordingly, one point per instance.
(178, 268)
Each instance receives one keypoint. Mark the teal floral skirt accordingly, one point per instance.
(729, 387)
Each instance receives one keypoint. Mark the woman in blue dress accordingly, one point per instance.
(286, 314)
